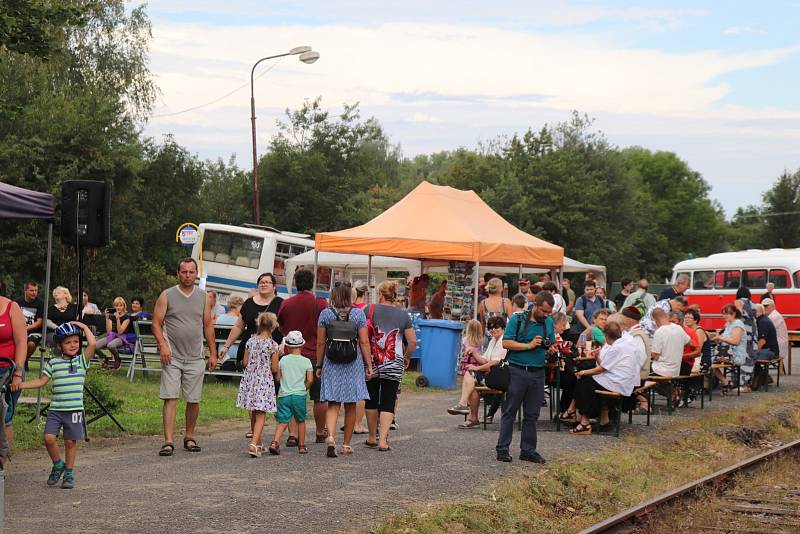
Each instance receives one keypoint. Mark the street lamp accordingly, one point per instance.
(306, 55)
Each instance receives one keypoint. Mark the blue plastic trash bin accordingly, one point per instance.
(440, 351)
(416, 317)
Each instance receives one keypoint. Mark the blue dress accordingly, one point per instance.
(343, 382)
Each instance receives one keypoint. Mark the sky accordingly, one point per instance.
(716, 82)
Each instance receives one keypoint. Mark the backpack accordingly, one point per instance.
(341, 338)
(750, 327)
(639, 304)
(576, 328)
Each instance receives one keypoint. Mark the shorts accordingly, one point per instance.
(316, 384)
(10, 397)
(73, 424)
(382, 395)
(34, 338)
(291, 406)
(183, 375)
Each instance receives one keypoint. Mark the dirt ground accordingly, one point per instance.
(123, 486)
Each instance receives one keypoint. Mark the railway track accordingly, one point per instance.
(626, 519)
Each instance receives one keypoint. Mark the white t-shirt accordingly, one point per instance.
(668, 342)
(621, 366)
(558, 304)
(494, 350)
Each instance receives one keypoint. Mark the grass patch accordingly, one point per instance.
(572, 493)
(140, 410)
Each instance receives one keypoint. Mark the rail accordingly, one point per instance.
(631, 514)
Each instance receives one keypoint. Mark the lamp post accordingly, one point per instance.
(306, 56)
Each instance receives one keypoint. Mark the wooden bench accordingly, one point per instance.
(146, 350)
(618, 398)
(728, 368)
(484, 391)
(766, 365)
(671, 382)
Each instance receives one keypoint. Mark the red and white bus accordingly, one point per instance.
(715, 279)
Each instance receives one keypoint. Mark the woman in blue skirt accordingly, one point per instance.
(342, 382)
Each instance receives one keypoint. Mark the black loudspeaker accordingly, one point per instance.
(86, 213)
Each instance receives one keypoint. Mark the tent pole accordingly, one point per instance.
(520, 277)
(369, 279)
(44, 317)
(475, 297)
(314, 287)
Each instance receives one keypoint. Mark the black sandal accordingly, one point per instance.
(166, 449)
(568, 417)
(291, 441)
(581, 430)
(190, 448)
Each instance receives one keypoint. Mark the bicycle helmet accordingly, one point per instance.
(66, 330)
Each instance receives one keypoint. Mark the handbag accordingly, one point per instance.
(498, 376)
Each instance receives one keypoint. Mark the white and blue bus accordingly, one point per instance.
(230, 258)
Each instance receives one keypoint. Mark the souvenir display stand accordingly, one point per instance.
(459, 300)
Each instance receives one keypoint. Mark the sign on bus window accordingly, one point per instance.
(727, 279)
(754, 279)
(779, 277)
(703, 280)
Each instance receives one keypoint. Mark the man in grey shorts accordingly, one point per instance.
(182, 316)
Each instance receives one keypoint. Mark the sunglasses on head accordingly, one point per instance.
(342, 283)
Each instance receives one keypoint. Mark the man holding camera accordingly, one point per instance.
(528, 338)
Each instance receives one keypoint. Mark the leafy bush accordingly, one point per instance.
(100, 383)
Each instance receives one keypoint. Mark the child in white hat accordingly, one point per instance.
(296, 374)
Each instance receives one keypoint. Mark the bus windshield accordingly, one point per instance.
(232, 249)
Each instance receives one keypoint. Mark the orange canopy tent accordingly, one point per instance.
(440, 223)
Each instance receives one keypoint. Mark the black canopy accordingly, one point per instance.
(19, 203)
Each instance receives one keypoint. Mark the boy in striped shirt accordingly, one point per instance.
(68, 373)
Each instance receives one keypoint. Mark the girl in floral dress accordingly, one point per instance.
(257, 388)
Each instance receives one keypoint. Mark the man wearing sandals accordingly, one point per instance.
(181, 317)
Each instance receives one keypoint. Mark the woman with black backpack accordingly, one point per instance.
(344, 363)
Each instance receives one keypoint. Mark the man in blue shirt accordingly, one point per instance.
(588, 304)
(528, 338)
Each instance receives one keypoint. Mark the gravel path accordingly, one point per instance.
(123, 486)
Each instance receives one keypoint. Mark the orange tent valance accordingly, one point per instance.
(437, 222)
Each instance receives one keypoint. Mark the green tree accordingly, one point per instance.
(782, 210)
(678, 216)
(34, 26)
(47, 136)
(323, 173)
(747, 228)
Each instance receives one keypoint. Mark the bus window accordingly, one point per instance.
(232, 249)
(754, 279)
(703, 280)
(727, 279)
(296, 250)
(780, 278)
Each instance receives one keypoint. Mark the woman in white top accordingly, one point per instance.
(617, 370)
(494, 353)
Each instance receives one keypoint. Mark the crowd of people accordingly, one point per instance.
(602, 344)
(347, 354)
